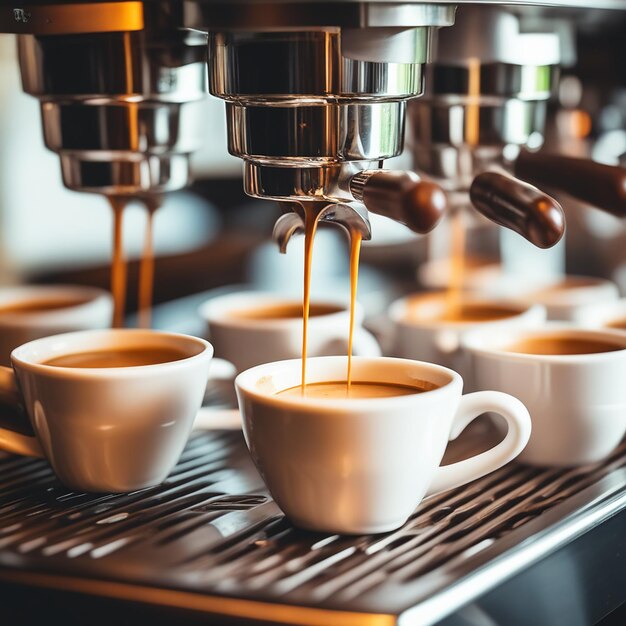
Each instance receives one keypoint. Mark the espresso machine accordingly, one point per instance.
(316, 96)
(480, 128)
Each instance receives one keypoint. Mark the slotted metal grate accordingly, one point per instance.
(212, 531)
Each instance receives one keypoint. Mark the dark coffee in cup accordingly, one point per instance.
(433, 309)
(39, 305)
(358, 390)
(283, 311)
(119, 357)
(562, 344)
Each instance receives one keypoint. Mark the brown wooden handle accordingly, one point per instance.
(519, 206)
(603, 186)
(401, 196)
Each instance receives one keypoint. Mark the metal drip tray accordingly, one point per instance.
(211, 539)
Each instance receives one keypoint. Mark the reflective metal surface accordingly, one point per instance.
(122, 109)
(268, 66)
(302, 132)
(310, 134)
(498, 81)
(508, 122)
(129, 66)
(265, 66)
(211, 539)
(114, 174)
(444, 140)
(147, 127)
(486, 96)
(263, 14)
(330, 182)
(352, 218)
(288, 183)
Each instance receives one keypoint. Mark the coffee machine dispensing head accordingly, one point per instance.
(315, 102)
(120, 87)
(315, 92)
(486, 99)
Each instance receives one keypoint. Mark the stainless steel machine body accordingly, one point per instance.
(121, 108)
(210, 546)
(486, 96)
(315, 92)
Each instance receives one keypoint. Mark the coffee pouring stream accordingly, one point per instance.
(119, 280)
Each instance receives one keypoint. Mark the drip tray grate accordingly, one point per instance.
(211, 532)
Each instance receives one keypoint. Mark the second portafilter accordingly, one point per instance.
(486, 99)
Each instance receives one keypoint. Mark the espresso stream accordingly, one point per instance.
(454, 296)
(118, 263)
(119, 270)
(146, 266)
(311, 220)
(310, 228)
(355, 252)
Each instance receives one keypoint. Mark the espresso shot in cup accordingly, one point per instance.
(34, 311)
(360, 460)
(111, 410)
(427, 328)
(571, 380)
(250, 328)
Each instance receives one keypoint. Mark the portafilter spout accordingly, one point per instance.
(352, 218)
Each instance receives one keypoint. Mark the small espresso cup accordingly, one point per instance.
(33, 311)
(251, 328)
(566, 298)
(352, 466)
(422, 329)
(610, 314)
(107, 429)
(571, 380)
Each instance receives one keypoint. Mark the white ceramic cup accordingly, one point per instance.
(84, 308)
(248, 342)
(426, 337)
(363, 465)
(610, 314)
(111, 429)
(565, 298)
(577, 403)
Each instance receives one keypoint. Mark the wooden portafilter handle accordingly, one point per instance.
(401, 196)
(603, 186)
(519, 206)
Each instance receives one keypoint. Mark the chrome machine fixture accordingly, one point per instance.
(315, 102)
(120, 87)
(485, 100)
(315, 93)
(478, 128)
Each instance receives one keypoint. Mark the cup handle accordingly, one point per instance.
(10, 441)
(472, 405)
